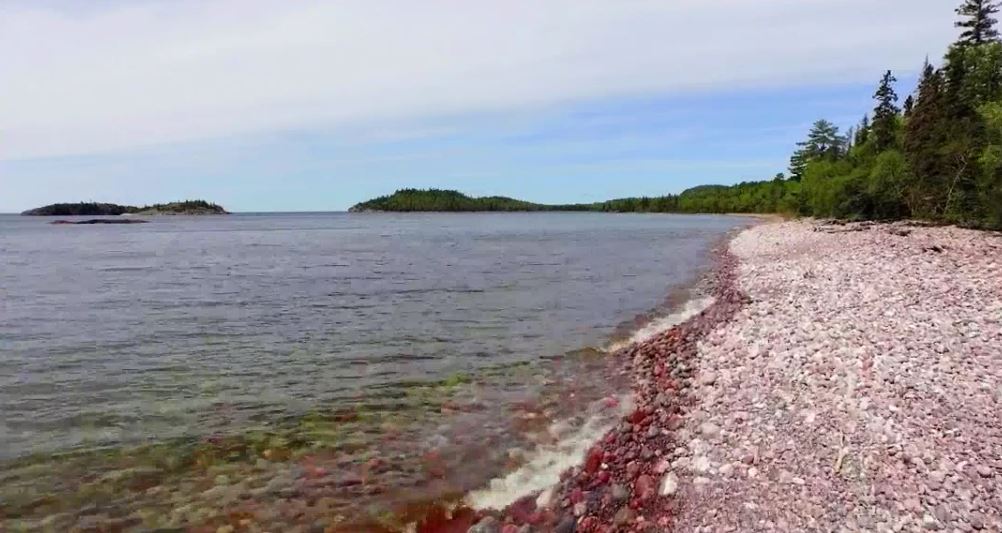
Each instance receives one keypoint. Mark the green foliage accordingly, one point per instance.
(823, 142)
(978, 24)
(104, 209)
(186, 206)
(989, 183)
(775, 196)
(885, 115)
(886, 186)
(940, 160)
(79, 209)
(862, 132)
(410, 200)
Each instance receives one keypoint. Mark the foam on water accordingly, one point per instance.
(541, 471)
(659, 325)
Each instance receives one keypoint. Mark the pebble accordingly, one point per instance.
(709, 430)
(623, 516)
(669, 485)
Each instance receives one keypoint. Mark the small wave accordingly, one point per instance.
(541, 471)
(659, 325)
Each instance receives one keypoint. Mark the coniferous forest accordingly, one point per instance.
(935, 154)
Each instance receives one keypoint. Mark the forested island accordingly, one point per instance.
(187, 207)
(937, 156)
(703, 199)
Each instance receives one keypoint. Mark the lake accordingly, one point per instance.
(196, 327)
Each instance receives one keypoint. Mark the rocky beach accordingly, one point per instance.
(848, 377)
(834, 377)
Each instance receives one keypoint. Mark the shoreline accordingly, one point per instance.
(734, 420)
(721, 410)
(624, 479)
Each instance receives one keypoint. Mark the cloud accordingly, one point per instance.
(118, 75)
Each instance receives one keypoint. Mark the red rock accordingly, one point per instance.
(636, 416)
(523, 510)
(594, 460)
(644, 488)
(576, 496)
(437, 521)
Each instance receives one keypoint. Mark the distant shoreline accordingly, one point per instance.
(698, 200)
(187, 207)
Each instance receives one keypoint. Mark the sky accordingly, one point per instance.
(272, 105)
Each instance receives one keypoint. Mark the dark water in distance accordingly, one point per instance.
(189, 325)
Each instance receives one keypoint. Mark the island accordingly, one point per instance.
(438, 200)
(187, 207)
(778, 195)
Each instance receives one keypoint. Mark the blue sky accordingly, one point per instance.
(150, 101)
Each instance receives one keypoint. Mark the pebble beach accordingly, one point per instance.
(847, 377)
(859, 390)
(834, 377)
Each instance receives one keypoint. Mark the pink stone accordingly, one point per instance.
(644, 487)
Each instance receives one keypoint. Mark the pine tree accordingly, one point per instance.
(823, 142)
(908, 106)
(926, 133)
(885, 115)
(979, 25)
(862, 132)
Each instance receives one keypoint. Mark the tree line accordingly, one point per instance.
(936, 155)
(107, 209)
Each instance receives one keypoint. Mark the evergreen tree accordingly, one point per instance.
(823, 142)
(925, 135)
(885, 115)
(978, 23)
(909, 105)
(798, 164)
(863, 132)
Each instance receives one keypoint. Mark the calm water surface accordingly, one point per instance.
(192, 325)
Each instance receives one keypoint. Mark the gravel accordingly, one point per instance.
(859, 390)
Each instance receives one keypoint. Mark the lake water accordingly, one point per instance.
(195, 326)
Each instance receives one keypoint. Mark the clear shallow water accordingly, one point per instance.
(188, 326)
